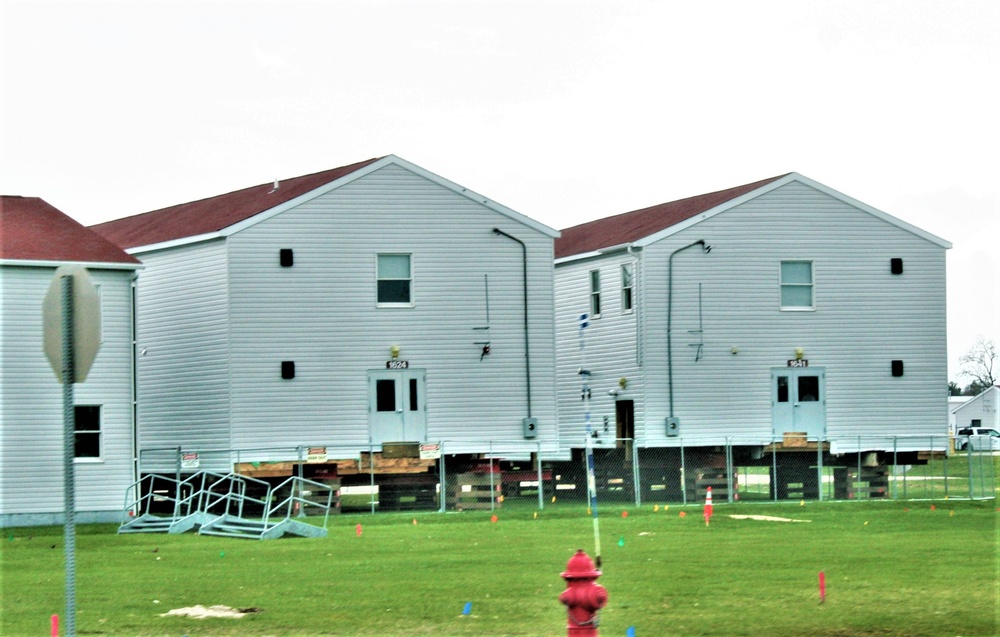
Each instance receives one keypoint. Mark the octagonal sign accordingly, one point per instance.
(86, 322)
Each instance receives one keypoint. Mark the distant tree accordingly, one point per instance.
(954, 389)
(981, 365)
(974, 389)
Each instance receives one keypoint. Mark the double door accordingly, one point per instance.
(798, 401)
(396, 409)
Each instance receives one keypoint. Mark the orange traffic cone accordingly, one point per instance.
(708, 505)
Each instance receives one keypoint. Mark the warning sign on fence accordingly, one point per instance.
(190, 461)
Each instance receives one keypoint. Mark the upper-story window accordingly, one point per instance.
(87, 432)
(628, 285)
(797, 285)
(394, 279)
(595, 293)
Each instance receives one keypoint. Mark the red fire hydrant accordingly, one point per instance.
(583, 596)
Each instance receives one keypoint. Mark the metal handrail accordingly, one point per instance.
(295, 485)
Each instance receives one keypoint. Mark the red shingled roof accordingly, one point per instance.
(215, 213)
(632, 226)
(31, 229)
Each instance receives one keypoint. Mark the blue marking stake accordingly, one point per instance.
(468, 608)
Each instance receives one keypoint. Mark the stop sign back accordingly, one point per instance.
(86, 331)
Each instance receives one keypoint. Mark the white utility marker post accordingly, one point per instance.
(71, 314)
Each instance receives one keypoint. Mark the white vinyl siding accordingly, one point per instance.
(609, 348)
(869, 317)
(31, 410)
(323, 323)
(183, 361)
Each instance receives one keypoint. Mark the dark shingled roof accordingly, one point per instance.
(215, 213)
(31, 229)
(638, 224)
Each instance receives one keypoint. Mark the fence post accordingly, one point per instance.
(729, 468)
(371, 473)
(442, 480)
(684, 486)
(856, 486)
(895, 440)
(774, 467)
(493, 489)
(819, 465)
(944, 462)
(541, 482)
(177, 483)
(298, 487)
(895, 469)
(972, 482)
(635, 474)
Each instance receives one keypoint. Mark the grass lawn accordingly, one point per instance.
(892, 569)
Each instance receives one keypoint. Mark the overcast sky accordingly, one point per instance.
(563, 111)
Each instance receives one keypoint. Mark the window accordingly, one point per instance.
(627, 286)
(796, 285)
(385, 395)
(87, 434)
(394, 279)
(595, 293)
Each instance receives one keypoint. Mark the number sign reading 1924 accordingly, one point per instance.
(798, 363)
(397, 364)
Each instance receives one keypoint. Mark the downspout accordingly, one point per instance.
(524, 276)
(670, 312)
(136, 461)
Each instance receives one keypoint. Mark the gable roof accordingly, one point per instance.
(225, 214)
(33, 230)
(629, 227)
(215, 213)
(647, 225)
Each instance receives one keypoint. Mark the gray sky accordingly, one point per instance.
(563, 111)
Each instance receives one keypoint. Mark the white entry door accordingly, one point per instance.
(396, 410)
(798, 401)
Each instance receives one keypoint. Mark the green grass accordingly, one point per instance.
(892, 569)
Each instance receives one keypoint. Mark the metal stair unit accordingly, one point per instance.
(216, 503)
(180, 497)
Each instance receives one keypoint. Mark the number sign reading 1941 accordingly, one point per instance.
(798, 363)
(397, 364)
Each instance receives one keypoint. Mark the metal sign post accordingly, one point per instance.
(69, 435)
(71, 315)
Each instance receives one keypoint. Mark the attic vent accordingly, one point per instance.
(286, 257)
(896, 266)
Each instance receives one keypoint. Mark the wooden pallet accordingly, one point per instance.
(469, 491)
(872, 482)
(699, 479)
(318, 496)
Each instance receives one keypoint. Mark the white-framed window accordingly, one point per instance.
(395, 280)
(87, 433)
(796, 283)
(595, 293)
(628, 286)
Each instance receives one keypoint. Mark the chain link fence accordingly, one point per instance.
(448, 476)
